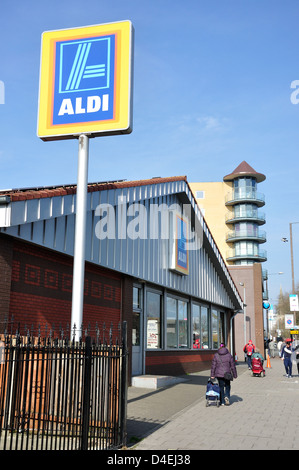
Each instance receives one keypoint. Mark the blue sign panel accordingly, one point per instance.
(84, 80)
(182, 262)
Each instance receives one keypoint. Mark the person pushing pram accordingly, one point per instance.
(213, 392)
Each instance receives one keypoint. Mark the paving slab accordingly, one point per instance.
(263, 414)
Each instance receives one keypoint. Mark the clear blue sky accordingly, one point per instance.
(211, 88)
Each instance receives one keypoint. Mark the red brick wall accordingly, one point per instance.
(177, 362)
(127, 315)
(41, 289)
(6, 250)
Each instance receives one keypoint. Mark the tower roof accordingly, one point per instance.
(244, 170)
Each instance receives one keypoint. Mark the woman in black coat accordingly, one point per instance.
(222, 363)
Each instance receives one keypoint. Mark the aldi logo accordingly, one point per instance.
(82, 71)
(85, 82)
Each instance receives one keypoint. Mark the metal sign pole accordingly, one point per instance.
(80, 236)
(99, 61)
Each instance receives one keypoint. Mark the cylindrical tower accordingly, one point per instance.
(244, 217)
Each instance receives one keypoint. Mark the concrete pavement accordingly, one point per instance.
(263, 414)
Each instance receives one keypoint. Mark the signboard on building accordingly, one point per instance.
(85, 81)
(294, 331)
(179, 255)
(152, 334)
(294, 303)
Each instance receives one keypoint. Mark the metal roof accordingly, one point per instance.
(22, 194)
(46, 216)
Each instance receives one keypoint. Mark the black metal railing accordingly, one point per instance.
(57, 394)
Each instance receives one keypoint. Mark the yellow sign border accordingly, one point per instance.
(121, 122)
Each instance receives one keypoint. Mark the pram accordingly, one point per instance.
(213, 393)
(257, 368)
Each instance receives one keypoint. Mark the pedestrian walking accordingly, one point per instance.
(286, 357)
(295, 357)
(224, 369)
(272, 348)
(249, 349)
(279, 345)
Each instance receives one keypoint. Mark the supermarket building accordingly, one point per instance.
(150, 261)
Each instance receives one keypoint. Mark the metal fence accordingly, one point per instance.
(56, 394)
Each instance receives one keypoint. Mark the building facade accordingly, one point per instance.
(232, 211)
(151, 261)
(243, 219)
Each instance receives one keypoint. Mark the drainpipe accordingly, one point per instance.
(231, 332)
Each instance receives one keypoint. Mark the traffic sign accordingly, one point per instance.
(293, 302)
(289, 321)
(86, 81)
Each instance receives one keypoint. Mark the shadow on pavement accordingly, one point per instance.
(150, 409)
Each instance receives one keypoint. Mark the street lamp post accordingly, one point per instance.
(267, 314)
(272, 274)
(292, 256)
(284, 239)
(292, 259)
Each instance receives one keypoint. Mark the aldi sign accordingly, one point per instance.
(85, 81)
(178, 244)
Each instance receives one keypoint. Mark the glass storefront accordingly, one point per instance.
(153, 320)
(205, 328)
(176, 323)
(200, 327)
(173, 323)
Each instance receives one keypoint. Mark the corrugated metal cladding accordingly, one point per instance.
(50, 222)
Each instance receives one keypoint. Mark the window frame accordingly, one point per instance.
(203, 311)
(161, 322)
(177, 299)
(199, 194)
(137, 308)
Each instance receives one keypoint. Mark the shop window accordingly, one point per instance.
(205, 328)
(183, 323)
(153, 320)
(171, 323)
(215, 331)
(218, 329)
(201, 327)
(222, 328)
(176, 323)
(196, 337)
